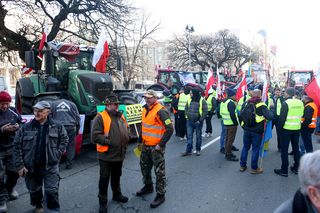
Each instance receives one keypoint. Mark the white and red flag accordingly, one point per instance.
(43, 41)
(25, 70)
(218, 85)
(210, 81)
(242, 88)
(264, 95)
(313, 90)
(101, 54)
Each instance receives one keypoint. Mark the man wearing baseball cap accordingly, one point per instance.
(9, 124)
(156, 131)
(110, 134)
(39, 145)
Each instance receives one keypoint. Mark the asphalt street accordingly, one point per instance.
(195, 184)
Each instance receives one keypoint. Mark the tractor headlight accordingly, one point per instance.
(92, 100)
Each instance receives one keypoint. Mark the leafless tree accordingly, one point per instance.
(216, 50)
(129, 43)
(22, 21)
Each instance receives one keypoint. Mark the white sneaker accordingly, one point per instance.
(3, 208)
(209, 135)
(181, 139)
(205, 135)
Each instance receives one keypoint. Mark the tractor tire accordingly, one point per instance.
(23, 104)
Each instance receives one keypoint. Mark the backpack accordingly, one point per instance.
(248, 114)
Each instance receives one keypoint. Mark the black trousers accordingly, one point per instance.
(208, 122)
(182, 123)
(109, 169)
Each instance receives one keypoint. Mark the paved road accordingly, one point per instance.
(196, 184)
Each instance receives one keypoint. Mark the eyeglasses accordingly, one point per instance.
(35, 110)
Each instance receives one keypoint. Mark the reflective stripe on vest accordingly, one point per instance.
(106, 129)
(183, 99)
(225, 114)
(209, 101)
(200, 107)
(152, 127)
(295, 113)
(313, 123)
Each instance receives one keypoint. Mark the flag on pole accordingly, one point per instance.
(25, 70)
(264, 96)
(101, 54)
(242, 88)
(210, 81)
(43, 41)
(249, 73)
(267, 135)
(313, 90)
(218, 85)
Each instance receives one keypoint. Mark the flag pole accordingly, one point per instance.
(261, 154)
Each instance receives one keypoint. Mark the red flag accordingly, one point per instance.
(25, 70)
(42, 42)
(210, 81)
(101, 54)
(242, 87)
(313, 90)
(219, 92)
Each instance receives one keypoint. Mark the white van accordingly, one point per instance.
(3, 83)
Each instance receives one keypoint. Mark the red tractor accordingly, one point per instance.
(299, 79)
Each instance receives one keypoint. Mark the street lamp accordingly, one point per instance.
(189, 30)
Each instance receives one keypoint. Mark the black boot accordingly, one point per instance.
(103, 208)
(120, 198)
(231, 157)
(157, 201)
(147, 189)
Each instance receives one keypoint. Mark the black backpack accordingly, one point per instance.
(248, 114)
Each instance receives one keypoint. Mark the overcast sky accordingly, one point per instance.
(291, 25)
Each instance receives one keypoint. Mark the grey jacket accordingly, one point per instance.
(25, 144)
(65, 112)
(192, 111)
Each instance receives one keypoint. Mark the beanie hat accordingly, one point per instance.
(5, 97)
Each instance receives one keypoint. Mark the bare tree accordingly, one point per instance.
(66, 19)
(129, 43)
(217, 50)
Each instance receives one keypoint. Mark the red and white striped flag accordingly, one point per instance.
(210, 81)
(264, 95)
(43, 41)
(25, 70)
(101, 54)
(242, 88)
(218, 85)
(313, 90)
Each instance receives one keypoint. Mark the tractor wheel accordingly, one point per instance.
(23, 104)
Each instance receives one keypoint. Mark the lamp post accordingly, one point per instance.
(189, 30)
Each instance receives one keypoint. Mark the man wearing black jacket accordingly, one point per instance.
(38, 147)
(278, 100)
(9, 124)
(308, 124)
(252, 136)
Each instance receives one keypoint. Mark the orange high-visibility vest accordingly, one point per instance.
(313, 123)
(106, 129)
(152, 127)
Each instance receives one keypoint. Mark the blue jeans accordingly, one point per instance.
(223, 135)
(286, 137)
(251, 139)
(191, 126)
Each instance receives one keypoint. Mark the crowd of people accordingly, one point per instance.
(33, 150)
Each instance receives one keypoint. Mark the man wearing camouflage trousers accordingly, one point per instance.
(156, 131)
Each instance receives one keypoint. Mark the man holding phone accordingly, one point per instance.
(9, 124)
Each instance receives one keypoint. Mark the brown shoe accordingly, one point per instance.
(243, 168)
(256, 171)
(157, 201)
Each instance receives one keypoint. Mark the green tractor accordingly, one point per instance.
(67, 68)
